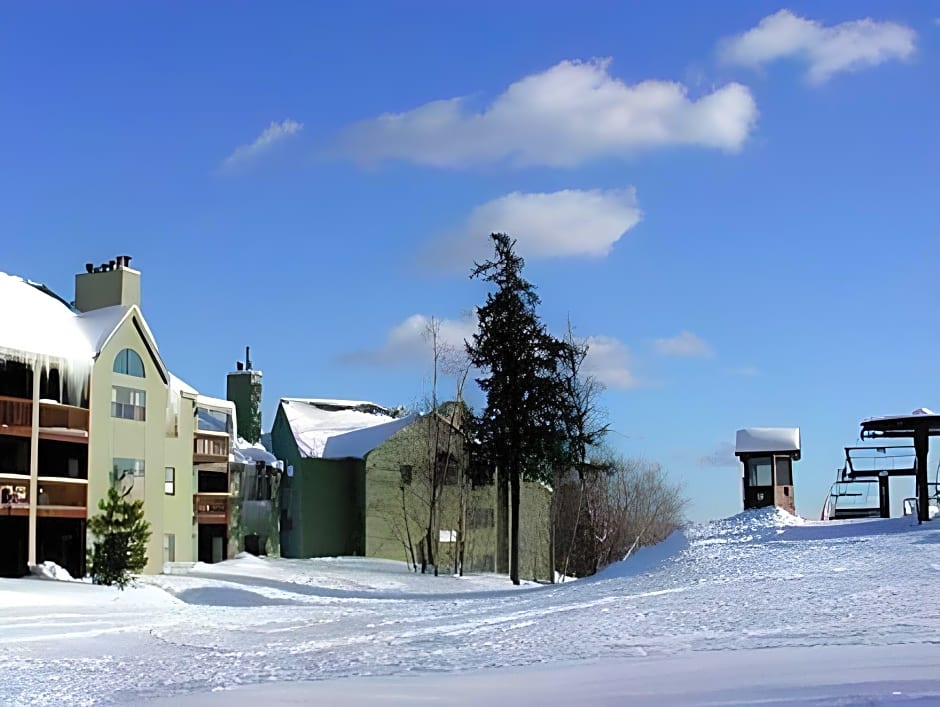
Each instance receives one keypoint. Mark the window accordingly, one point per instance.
(446, 469)
(447, 536)
(124, 475)
(169, 481)
(213, 420)
(481, 518)
(169, 548)
(129, 363)
(128, 403)
(405, 471)
(760, 471)
(784, 471)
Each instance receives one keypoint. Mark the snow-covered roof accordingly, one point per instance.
(338, 403)
(218, 403)
(339, 429)
(767, 439)
(99, 324)
(178, 385)
(249, 453)
(919, 412)
(34, 322)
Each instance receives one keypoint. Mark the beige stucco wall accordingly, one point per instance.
(178, 508)
(110, 438)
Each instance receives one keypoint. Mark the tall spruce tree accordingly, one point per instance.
(521, 428)
(120, 545)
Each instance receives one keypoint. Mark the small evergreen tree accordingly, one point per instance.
(121, 536)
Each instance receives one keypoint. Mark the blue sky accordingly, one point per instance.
(736, 201)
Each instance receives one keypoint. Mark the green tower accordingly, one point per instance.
(243, 387)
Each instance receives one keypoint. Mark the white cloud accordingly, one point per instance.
(406, 342)
(608, 360)
(723, 456)
(567, 115)
(563, 223)
(849, 46)
(685, 343)
(273, 134)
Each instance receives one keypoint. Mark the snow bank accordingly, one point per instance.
(50, 570)
(646, 558)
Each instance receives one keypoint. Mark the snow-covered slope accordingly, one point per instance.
(759, 580)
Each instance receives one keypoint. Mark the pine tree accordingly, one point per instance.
(121, 536)
(521, 428)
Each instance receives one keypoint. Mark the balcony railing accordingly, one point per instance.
(56, 499)
(209, 447)
(16, 414)
(63, 417)
(56, 421)
(211, 508)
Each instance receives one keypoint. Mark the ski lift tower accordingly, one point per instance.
(767, 454)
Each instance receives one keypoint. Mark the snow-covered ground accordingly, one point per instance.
(844, 613)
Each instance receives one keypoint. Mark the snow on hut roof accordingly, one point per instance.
(35, 322)
(339, 429)
(767, 439)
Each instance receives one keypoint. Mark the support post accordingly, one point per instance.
(884, 494)
(921, 448)
(34, 465)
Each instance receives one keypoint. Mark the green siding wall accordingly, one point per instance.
(323, 500)
(387, 523)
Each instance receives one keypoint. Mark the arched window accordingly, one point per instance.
(129, 363)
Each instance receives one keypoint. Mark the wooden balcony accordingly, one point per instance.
(211, 507)
(58, 498)
(16, 416)
(210, 447)
(66, 423)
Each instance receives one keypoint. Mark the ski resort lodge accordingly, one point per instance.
(87, 402)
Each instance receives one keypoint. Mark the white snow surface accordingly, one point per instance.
(31, 321)
(50, 570)
(767, 439)
(844, 613)
(321, 431)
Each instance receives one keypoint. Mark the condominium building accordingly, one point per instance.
(87, 402)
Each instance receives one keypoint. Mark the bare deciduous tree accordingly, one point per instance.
(627, 503)
(585, 426)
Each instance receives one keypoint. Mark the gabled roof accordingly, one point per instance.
(339, 429)
(99, 325)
